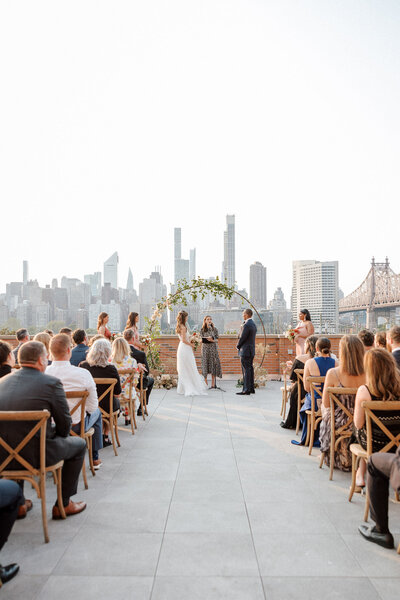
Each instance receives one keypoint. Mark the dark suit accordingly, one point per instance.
(383, 467)
(141, 358)
(247, 349)
(396, 356)
(78, 354)
(15, 352)
(29, 389)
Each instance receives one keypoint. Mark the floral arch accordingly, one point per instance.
(195, 289)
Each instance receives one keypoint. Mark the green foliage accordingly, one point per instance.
(55, 325)
(153, 351)
(10, 326)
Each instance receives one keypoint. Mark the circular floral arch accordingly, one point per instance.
(197, 288)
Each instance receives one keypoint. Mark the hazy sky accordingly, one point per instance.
(122, 120)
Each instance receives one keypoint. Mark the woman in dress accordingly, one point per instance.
(315, 367)
(349, 374)
(303, 329)
(7, 359)
(190, 382)
(45, 338)
(210, 362)
(122, 359)
(132, 324)
(102, 328)
(380, 339)
(298, 363)
(383, 384)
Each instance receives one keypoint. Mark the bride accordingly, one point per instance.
(190, 382)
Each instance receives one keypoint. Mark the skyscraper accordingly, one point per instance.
(192, 264)
(228, 266)
(25, 274)
(110, 270)
(94, 281)
(177, 242)
(258, 285)
(316, 287)
(129, 283)
(181, 265)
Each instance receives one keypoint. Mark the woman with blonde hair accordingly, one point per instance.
(190, 382)
(122, 359)
(45, 338)
(132, 324)
(380, 339)
(382, 384)
(102, 328)
(349, 374)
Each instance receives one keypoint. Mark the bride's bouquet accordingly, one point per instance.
(145, 340)
(195, 339)
(291, 334)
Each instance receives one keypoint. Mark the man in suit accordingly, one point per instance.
(383, 468)
(22, 336)
(78, 353)
(247, 349)
(393, 338)
(31, 389)
(141, 359)
(10, 499)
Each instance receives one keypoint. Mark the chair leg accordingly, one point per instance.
(332, 460)
(353, 475)
(112, 430)
(59, 494)
(142, 406)
(116, 429)
(312, 430)
(298, 416)
(133, 417)
(308, 430)
(366, 511)
(145, 402)
(44, 515)
(398, 549)
(90, 450)
(321, 462)
(84, 474)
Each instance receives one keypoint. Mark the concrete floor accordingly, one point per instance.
(208, 500)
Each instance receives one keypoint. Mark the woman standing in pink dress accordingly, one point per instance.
(132, 324)
(303, 330)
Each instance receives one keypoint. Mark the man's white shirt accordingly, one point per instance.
(75, 379)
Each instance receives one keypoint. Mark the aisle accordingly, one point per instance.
(208, 500)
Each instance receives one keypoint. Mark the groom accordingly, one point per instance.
(247, 349)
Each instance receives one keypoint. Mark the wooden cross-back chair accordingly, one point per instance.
(142, 396)
(110, 417)
(344, 431)
(29, 472)
(314, 416)
(85, 435)
(300, 380)
(358, 452)
(284, 391)
(130, 401)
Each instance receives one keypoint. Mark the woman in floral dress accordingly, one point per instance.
(210, 362)
(122, 359)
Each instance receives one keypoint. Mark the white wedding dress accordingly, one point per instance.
(190, 382)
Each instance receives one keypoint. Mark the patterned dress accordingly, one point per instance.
(127, 363)
(342, 454)
(210, 363)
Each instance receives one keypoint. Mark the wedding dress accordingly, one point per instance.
(190, 382)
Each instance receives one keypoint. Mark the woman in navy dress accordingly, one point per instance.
(315, 367)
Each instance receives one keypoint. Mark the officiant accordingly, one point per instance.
(210, 362)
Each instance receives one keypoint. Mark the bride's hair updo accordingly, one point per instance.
(181, 320)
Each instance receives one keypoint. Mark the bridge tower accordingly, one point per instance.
(380, 272)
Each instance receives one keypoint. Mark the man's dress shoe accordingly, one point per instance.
(242, 393)
(24, 509)
(8, 572)
(370, 534)
(73, 508)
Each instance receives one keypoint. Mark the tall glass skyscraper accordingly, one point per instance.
(228, 266)
(111, 271)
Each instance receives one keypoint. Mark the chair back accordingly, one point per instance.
(345, 430)
(81, 405)
(129, 373)
(384, 426)
(316, 387)
(109, 390)
(38, 418)
(300, 380)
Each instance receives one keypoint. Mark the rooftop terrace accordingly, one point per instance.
(208, 500)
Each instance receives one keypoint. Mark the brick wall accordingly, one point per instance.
(280, 350)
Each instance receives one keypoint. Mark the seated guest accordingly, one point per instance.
(74, 379)
(141, 359)
(298, 363)
(383, 468)
(367, 338)
(393, 342)
(122, 359)
(7, 359)
(383, 384)
(94, 339)
(98, 364)
(67, 331)
(349, 374)
(380, 340)
(22, 336)
(45, 339)
(30, 388)
(81, 348)
(315, 367)
(50, 332)
(11, 497)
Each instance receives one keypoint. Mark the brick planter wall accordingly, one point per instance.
(280, 350)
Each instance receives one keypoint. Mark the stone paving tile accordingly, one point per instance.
(207, 588)
(328, 588)
(207, 517)
(387, 588)
(92, 587)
